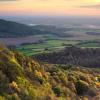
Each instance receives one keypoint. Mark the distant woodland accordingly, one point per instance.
(87, 57)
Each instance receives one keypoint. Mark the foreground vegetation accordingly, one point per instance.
(22, 78)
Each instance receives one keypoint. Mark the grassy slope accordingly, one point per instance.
(22, 78)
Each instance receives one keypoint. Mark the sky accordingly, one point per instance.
(50, 7)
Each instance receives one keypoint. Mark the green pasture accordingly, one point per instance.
(51, 45)
(45, 47)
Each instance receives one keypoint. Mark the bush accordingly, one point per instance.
(62, 77)
(3, 82)
(57, 90)
(99, 78)
(92, 91)
(81, 87)
(15, 97)
(13, 70)
(38, 76)
(2, 98)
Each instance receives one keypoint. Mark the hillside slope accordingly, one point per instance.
(22, 78)
(87, 57)
(13, 29)
(10, 29)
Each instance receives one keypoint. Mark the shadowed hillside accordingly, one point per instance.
(22, 78)
(13, 29)
(87, 57)
(9, 29)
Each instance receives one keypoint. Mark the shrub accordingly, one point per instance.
(71, 86)
(81, 87)
(62, 77)
(3, 82)
(2, 98)
(72, 78)
(38, 76)
(99, 78)
(57, 90)
(92, 91)
(15, 97)
(13, 70)
(14, 86)
(97, 84)
(85, 78)
(85, 98)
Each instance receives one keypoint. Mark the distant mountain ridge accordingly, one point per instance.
(14, 29)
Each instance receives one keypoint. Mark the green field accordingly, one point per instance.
(45, 47)
(51, 45)
(90, 44)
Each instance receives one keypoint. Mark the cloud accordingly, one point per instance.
(97, 6)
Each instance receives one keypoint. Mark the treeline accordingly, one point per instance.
(87, 57)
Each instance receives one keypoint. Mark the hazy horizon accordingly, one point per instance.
(50, 7)
(54, 20)
(54, 12)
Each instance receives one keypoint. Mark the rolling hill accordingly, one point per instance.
(13, 33)
(14, 29)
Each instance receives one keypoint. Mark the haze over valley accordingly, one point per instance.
(43, 31)
(49, 49)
